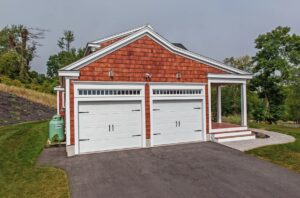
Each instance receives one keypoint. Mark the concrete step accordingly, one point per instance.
(232, 133)
(234, 138)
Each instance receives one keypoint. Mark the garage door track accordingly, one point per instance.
(190, 170)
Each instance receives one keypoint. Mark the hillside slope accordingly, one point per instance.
(31, 95)
(16, 109)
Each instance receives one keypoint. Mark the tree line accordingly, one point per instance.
(273, 93)
(18, 47)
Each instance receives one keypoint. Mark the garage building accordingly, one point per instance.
(136, 89)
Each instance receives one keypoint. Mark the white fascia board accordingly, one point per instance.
(68, 73)
(86, 60)
(229, 76)
(96, 43)
(119, 35)
(93, 45)
(147, 31)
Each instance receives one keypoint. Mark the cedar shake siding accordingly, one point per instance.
(131, 62)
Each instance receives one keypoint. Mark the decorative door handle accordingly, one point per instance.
(83, 112)
(84, 139)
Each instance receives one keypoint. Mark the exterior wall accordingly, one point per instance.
(147, 110)
(109, 42)
(131, 62)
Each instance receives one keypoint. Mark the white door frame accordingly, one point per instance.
(107, 86)
(177, 86)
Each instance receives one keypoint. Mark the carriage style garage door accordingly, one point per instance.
(176, 121)
(109, 125)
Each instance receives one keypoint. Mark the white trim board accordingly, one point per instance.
(226, 81)
(57, 102)
(107, 83)
(97, 43)
(229, 76)
(59, 89)
(177, 86)
(68, 112)
(70, 73)
(78, 99)
(149, 32)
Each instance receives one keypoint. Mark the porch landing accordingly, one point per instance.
(216, 125)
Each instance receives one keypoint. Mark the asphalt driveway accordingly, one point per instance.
(190, 170)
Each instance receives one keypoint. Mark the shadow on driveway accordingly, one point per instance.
(189, 170)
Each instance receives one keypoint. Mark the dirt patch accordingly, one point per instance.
(14, 109)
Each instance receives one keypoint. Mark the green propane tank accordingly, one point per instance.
(56, 127)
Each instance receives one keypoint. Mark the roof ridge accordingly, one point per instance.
(120, 34)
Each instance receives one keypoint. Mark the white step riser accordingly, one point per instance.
(232, 134)
(229, 129)
(236, 139)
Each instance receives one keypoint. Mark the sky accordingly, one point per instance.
(214, 28)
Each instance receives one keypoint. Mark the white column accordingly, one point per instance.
(244, 104)
(67, 111)
(57, 102)
(209, 105)
(219, 105)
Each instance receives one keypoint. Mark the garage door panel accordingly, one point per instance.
(176, 121)
(108, 144)
(109, 125)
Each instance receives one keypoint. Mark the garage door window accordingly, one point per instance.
(88, 92)
(177, 92)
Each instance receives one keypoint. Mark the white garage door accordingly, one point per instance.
(109, 125)
(177, 121)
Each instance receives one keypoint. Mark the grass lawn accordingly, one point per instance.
(20, 145)
(287, 155)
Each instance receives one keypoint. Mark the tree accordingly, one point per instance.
(23, 41)
(65, 41)
(293, 100)
(278, 54)
(231, 94)
(10, 64)
(69, 38)
(63, 58)
(243, 63)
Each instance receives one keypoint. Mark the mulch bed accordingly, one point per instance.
(14, 109)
